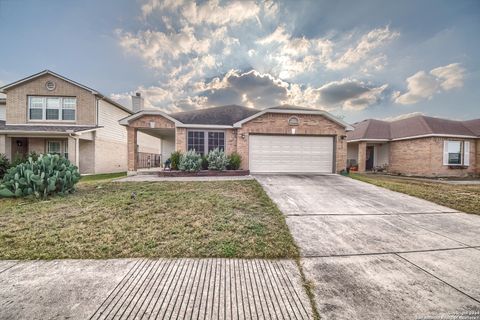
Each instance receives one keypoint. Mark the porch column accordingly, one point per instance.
(362, 156)
(132, 149)
(6, 146)
(72, 149)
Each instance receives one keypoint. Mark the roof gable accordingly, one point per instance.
(7, 87)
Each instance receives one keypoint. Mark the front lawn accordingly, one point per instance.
(166, 219)
(464, 198)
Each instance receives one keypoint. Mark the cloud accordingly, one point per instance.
(369, 42)
(404, 116)
(211, 12)
(351, 94)
(423, 85)
(262, 90)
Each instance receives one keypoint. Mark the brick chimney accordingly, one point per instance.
(137, 102)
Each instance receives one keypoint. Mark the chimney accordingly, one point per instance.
(137, 102)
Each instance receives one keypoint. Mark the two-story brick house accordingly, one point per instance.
(49, 113)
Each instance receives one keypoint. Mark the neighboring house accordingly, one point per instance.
(418, 146)
(48, 113)
(280, 139)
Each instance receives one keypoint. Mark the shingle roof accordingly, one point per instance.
(44, 128)
(372, 129)
(224, 115)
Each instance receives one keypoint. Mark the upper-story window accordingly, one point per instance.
(52, 108)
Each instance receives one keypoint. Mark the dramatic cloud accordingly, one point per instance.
(189, 44)
(423, 85)
(351, 94)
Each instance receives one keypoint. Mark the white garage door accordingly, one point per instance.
(292, 154)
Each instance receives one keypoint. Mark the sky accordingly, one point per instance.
(355, 59)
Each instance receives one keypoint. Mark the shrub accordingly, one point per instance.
(175, 160)
(217, 160)
(4, 164)
(234, 161)
(204, 163)
(190, 161)
(48, 175)
(20, 158)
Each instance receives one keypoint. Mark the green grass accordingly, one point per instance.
(167, 219)
(103, 177)
(464, 198)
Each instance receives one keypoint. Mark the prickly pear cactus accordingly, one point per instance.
(48, 175)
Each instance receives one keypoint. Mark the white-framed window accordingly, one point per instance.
(36, 105)
(52, 108)
(204, 141)
(456, 153)
(57, 147)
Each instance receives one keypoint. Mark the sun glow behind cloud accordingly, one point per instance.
(249, 53)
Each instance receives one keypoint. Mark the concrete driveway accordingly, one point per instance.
(372, 253)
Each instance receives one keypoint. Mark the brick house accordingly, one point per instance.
(284, 139)
(49, 113)
(417, 146)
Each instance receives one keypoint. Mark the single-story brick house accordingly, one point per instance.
(283, 139)
(49, 113)
(417, 146)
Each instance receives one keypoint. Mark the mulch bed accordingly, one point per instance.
(203, 173)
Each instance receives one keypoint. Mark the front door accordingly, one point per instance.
(19, 147)
(370, 155)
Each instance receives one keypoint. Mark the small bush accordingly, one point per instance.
(175, 160)
(20, 158)
(204, 163)
(48, 175)
(217, 160)
(190, 161)
(234, 161)
(4, 164)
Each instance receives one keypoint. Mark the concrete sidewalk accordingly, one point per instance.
(159, 289)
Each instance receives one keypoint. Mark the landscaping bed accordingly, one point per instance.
(104, 219)
(203, 173)
(464, 198)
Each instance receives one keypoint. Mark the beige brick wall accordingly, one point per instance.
(424, 157)
(87, 156)
(37, 145)
(17, 99)
(277, 123)
(231, 140)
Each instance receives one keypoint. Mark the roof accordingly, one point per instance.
(45, 128)
(224, 115)
(412, 127)
(230, 116)
(44, 72)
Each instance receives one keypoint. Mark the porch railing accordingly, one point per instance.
(149, 160)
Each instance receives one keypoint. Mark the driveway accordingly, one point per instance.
(372, 253)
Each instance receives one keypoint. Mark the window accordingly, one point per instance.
(69, 106)
(36, 106)
(216, 140)
(205, 141)
(52, 108)
(57, 147)
(456, 153)
(196, 141)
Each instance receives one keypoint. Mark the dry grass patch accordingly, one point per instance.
(464, 198)
(167, 219)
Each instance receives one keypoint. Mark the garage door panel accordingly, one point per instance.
(275, 153)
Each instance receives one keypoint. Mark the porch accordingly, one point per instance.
(19, 146)
(368, 156)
